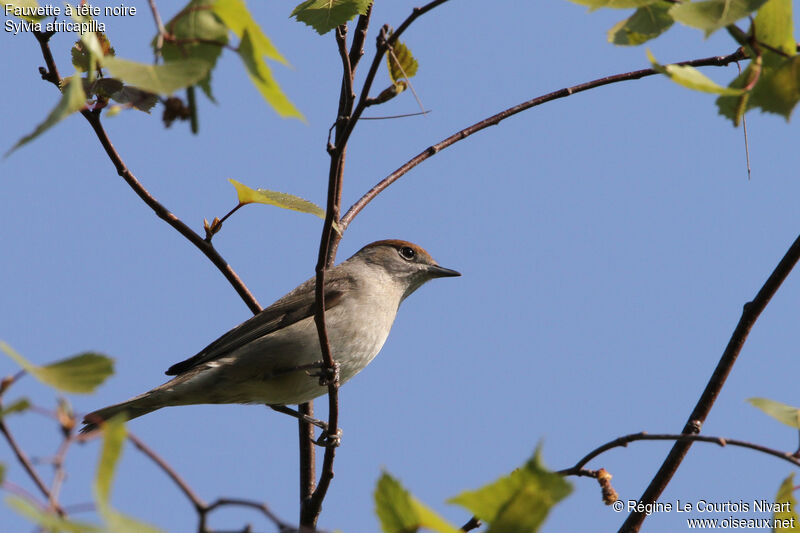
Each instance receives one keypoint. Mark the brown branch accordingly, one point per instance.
(181, 483)
(578, 470)
(28, 467)
(496, 119)
(750, 314)
(93, 117)
(359, 36)
(472, 523)
(385, 41)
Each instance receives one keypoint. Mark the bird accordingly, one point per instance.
(266, 359)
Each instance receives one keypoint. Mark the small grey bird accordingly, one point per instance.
(258, 360)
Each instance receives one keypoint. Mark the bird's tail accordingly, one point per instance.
(133, 408)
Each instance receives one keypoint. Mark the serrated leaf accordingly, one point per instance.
(18, 406)
(324, 15)
(400, 512)
(235, 15)
(201, 35)
(81, 57)
(136, 98)
(613, 4)
(401, 62)
(785, 518)
(712, 15)
(647, 22)
(779, 411)
(774, 25)
(246, 195)
(261, 76)
(72, 99)
(48, 521)
(518, 502)
(159, 79)
(775, 85)
(691, 78)
(79, 374)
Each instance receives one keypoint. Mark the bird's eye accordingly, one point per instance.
(407, 252)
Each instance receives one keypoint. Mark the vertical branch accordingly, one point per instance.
(750, 314)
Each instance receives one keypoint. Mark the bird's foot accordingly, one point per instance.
(328, 375)
(328, 440)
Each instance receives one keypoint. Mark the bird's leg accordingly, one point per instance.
(325, 439)
(327, 375)
(300, 416)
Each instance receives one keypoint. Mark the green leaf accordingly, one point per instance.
(79, 374)
(401, 63)
(135, 98)
(48, 521)
(518, 502)
(775, 82)
(202, 36)
(400, 512)
(283, 200)
(114, 435)
(785, 518)
(237, 18)
(324, 15)
(159, 79)
(691, 78)
(18, 406)
(72, 99)
(2, 473)
(712, 15)
(261, 76)
(647, 22)
(81, 57)
(614, 4)
(774, 25)
(779, 411)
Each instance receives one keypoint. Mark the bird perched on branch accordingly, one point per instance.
(270, 358)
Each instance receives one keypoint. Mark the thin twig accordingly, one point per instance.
(28, 467)
(60, 473)
(159, 27)
(198, 502)
(472, 523)
(163, 213)
(496, 119)
(93, 117)
(623, 441)
(752, 310)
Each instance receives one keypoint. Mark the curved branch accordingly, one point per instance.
(496, 119)
(93, 117)
(752, 310)
(621, 442)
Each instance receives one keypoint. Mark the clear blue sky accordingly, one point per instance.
(607, 243)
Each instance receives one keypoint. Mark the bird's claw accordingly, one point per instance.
(328, 375)
(328, 440)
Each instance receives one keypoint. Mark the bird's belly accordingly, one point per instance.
(265, 371)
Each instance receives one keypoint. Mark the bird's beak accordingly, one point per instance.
(437, 271)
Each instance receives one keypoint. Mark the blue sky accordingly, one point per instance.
(607, 243)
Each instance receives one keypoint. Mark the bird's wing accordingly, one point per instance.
(292, 308)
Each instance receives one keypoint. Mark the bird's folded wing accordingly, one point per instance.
(292, 308)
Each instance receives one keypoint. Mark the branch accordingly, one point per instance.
(26, 464)
(496, 119)
(752, 310)
(385, 41)
(578, 470)
(93, 117)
